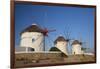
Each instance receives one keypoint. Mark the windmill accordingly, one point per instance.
(44, 30)
(83, 44)
(67, 34)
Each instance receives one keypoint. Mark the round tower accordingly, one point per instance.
(32, 37)
(76, 47)
(61, 44)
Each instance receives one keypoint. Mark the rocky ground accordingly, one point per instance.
(71, 59)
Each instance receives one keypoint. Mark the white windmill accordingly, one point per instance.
(61, 44)
(34, 37)
(76, 47)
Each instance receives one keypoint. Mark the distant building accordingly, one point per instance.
(76, 47)
(61, 44)
(32, 37)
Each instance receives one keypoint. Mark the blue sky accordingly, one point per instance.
(79, 22)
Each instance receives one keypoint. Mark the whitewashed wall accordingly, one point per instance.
(76, 49)
(26, 40)
(62, 45)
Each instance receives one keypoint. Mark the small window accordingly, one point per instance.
(32, 49)
(33, 40)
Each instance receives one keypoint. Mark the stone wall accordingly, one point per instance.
(38, 56)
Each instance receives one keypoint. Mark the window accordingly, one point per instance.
(32, 49)
(33, 40)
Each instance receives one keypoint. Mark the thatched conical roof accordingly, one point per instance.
(32, 28)
(76, 42)
(60, 38)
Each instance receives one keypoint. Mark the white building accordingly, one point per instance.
(76, 47)
(61, 44)
(33, 38)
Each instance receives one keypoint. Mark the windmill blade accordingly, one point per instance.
(37, 38)
(44, 19)
(50, 42)
(50, 39)
(65, 35)
(68, 36)
(67, 31)
(51, 30)
(80, 37)
(44, 14)
(53, 33)
(42, 43)
(70, 41)
(84, 46)
(38, 24)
